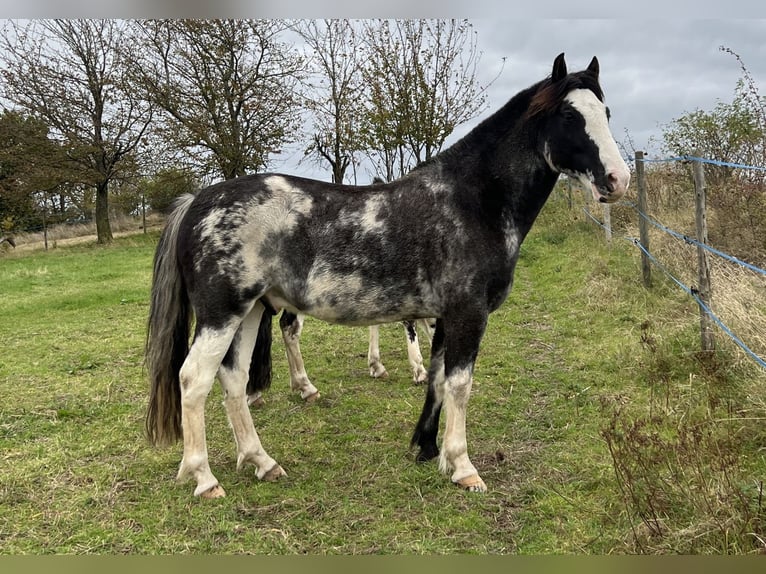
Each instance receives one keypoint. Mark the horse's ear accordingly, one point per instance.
(559, 68)
(593, 66)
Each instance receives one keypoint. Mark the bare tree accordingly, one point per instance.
(227, 87)
(334, 89)
(70, 74)
(422, 84)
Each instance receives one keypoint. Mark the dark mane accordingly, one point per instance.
(535, 101)
(550, 94)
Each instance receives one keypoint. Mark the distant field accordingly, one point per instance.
(592, 421)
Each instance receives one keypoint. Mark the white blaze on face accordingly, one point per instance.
(593, 111)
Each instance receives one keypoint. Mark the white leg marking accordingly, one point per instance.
(377, 370)
(454, 452)
(234, 382)
(299, 379)
(197, 375)
(419, 373)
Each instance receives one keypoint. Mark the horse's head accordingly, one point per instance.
(577, 138)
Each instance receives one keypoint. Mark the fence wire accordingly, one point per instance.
(739, 287)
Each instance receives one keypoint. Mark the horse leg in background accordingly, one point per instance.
(427, 326)
(377, 370)
(233, 375)
(419, 374)
(428, 424)
(292, 326)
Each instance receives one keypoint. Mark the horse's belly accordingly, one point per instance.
(348, 303)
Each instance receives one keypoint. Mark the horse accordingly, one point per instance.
(291, 326)
(442, 241)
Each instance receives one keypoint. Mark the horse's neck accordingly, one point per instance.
(530, 196)
(508, 172)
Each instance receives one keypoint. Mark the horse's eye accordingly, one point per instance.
(568, 114)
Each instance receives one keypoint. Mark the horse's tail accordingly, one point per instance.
(260, 364)
(167, 337)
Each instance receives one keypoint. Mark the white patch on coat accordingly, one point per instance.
(370, 221)
(593, 111)
(289, 201)
(511, 240)
(209, 228)
(278, 215)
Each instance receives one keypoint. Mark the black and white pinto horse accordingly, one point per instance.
(441, 242)
(291, 326)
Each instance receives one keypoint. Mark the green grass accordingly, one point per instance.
(564, 362)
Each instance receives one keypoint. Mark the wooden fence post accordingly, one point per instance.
(703, 265)
(643, 229)
(608, 221)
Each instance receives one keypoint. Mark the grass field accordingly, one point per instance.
(592, 420)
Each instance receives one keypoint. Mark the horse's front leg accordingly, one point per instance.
(462, 337)
(292, 326)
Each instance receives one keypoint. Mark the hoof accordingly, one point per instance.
(427, 454)
(312, 398)
(378, 372)
(420, 378)
(274, 474)
(216, 492)
(472, 483)
(256, 401)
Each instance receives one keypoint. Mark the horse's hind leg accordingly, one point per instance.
(377, 370)
(196, 376)
(233, 375)
(427, 326)
(419, 373)
(292, 326)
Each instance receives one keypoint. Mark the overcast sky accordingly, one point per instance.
(652, 71)
(659, 59)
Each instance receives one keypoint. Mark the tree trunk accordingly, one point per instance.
(103, 227)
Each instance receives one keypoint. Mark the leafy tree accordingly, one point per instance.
(70, 73)
(334, 85)
(228, 89)
(162, 189)
(28, 160)
(729, 133)
(733, 133)
(422, 84)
